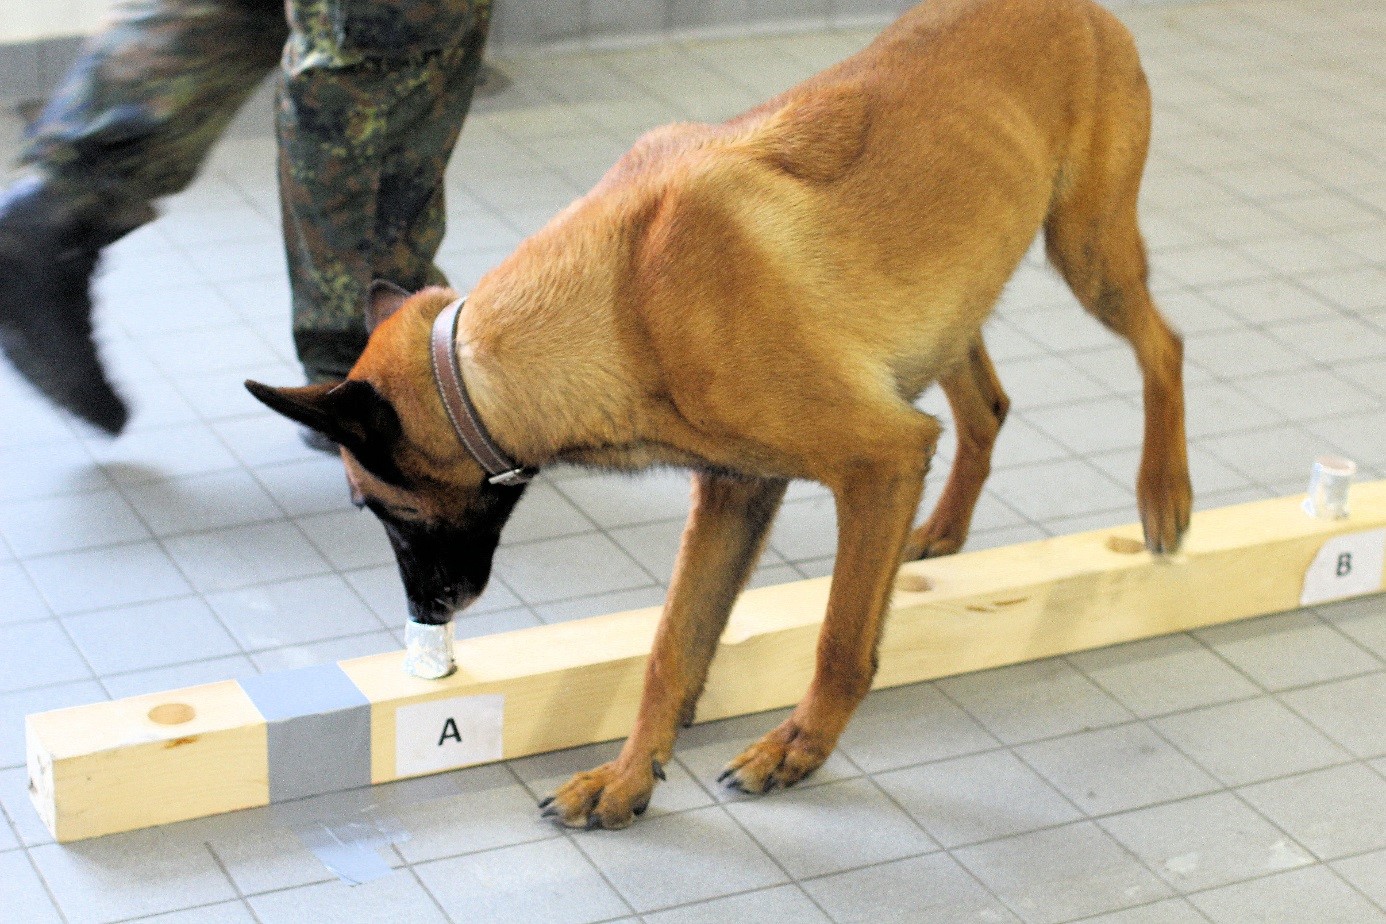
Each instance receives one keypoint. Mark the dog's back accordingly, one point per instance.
(878, 208)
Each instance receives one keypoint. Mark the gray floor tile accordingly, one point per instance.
(263, 854)
(928, 888)
(182, 675)
(394, 898)
(1363, 620)
(21, 888)
(1041, 699)
(573, 566)
(805, 529)
(307, 486)
(77, 581)
(1064, 488)
(1311, 894)
(129, 875)
(67, 469)
(978, 797)
(1288, 650)
(1271, 455)
(616, 601)
(489, 623)
(147, 635)
(1116, 769)
(199, 503)
(782, 904)
(22, 600)
(1086, 427)
(164, 454)
(15, 705)
(1366, 873)
(1170, 911)
(1267, 301)
(681, 858)
(14, 799)
(1206, 842)
(348, 538)
(240, 556)
(547, 881)
(291, 657)
(544, 773)
(1334, 812)
(1248, 741)
(1233, 354)
(910, 725)
(1358, 435)
(489, 809)
(1338, 710)
(1308, 394)
(222, 913)
(69, 522)
(1062, 873)
(293, 612)
(625, 500)
(544, 513)
(866, 828)
(706, 748)
(34, 654)
(1163, 675)
(1037, 381)
(1214, 408)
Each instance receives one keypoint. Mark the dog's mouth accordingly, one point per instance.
(442, 608)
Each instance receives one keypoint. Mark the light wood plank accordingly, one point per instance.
(579, 682)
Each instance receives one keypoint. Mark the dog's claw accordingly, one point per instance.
(546, 802)
(722, 777)
(658, 770)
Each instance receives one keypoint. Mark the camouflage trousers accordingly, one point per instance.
(371, 95)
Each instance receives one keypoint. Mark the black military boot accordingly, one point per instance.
(48, 252)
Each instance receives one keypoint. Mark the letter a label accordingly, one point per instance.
(1346, 566)
(444, 734)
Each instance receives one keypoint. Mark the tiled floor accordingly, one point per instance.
(1232, 775)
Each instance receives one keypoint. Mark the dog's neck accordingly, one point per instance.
(544, 364)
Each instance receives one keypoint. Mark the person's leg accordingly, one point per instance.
(131, 122)
(365, 132)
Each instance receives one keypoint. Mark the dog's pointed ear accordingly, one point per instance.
(350, 413)
(385, 299)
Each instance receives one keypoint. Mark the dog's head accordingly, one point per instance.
(403, 461)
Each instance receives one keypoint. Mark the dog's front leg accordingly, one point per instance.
(721, 543)
(876, 500)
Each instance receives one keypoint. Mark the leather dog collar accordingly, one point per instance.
(471, 432)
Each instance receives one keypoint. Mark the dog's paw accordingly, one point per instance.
(609, 796)
(1166, 504)
(777, 761)
(934, 540)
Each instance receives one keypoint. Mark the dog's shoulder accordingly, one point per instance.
(815, 133)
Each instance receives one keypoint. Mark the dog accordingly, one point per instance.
(763, 300)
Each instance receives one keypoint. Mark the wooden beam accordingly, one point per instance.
(132, 763)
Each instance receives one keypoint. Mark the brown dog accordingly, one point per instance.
(763, 300)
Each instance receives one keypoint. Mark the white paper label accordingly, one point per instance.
(444, 734)
(1346, 566)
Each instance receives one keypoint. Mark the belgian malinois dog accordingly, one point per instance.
(763, 300)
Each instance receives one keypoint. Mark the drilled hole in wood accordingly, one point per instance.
(1124, 546)
(913, 583)
(172, 714)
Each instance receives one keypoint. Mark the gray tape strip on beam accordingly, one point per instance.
(319, 730)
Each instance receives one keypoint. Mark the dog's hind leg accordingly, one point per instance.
(1092, 238)
(979, 409)
(877, 489)
(723, 539)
